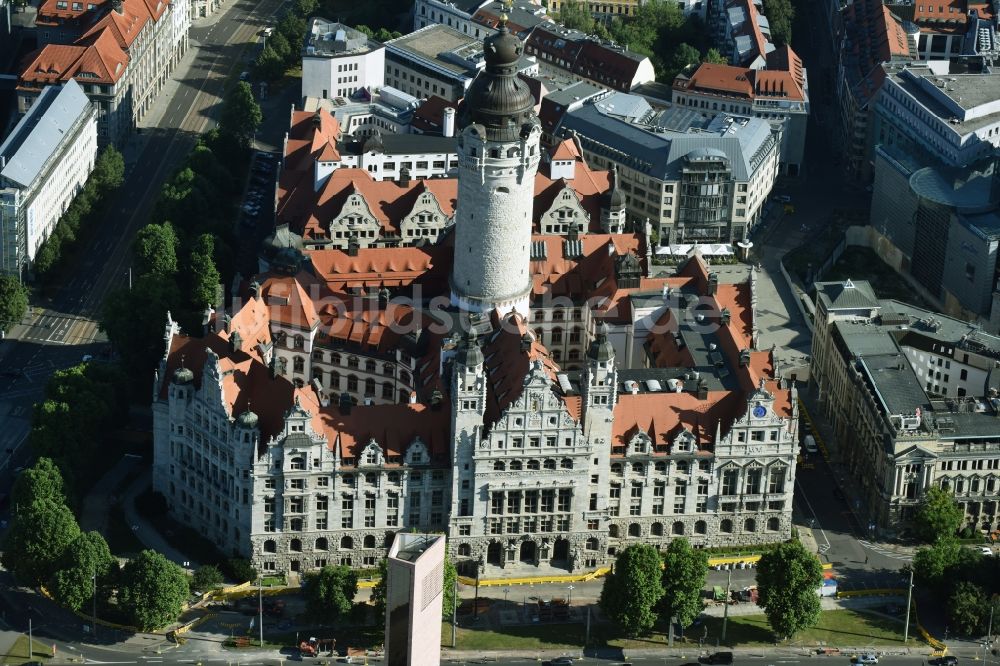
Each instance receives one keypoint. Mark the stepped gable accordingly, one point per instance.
(590, 186)
(662, 416)
(512, 352)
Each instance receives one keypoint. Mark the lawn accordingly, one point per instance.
(18, 653)
(840, 628)
(521, 637)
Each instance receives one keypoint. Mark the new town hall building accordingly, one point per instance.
(523, 386)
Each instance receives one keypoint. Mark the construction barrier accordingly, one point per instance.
(91, 619)
(539, 580)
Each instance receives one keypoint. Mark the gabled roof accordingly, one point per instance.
(374, 268)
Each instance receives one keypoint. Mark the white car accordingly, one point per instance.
(809, 444)
(986, 550)
(867, 658)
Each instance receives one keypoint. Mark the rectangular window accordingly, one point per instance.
(347, 509)
(616, 491)
(565, 498)
(548, 501)
(496, 503)
(514, 502)
(531, 501)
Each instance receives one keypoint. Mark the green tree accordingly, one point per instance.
(109, 170)
(38, 537)
(684, 571)
(152, 591)
(787, 580)
(13, 301)
(206, 577)
(88, 556)
(683, 56)
(40, 481)
(155, 250)
(968, 608)
(713, 57)
(449, 600)
(134, 320)
(282, 48)
(632, 590)
(47, 256)
(930, 564)
(364, 29)
(293, 27)
(330, 592)
(938, 515)
(240, 570)
(241, 114)
(378, 592)
(305, 8)
(269, 65)
(204, 275)
(384, 35)
(576, 16)
(780, 14)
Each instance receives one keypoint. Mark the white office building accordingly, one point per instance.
(44, 163)
(339, 61)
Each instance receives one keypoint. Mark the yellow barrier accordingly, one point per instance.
(940, 649)
(89, 618)
(232, 588)
(538, 580)
(192, 624)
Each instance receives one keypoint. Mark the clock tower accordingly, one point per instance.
(498, 156)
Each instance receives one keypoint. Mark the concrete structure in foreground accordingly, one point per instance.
(413, 600)
(44, 163)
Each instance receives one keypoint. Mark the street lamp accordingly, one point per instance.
(505, 591)
(570, 601)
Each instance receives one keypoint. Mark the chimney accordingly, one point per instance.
(713, 283)
(235, 342)
(436, 400)
(702, 390)
(353, 246)
(383, 296)
(525, 342)
(726, 315)
(345, 403)
(448, 124)
(255, 290)
(413, 397)
(744, 358)
(404, 176)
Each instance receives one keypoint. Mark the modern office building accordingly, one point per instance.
(44, 163)
(912, 397)
(414, 597)
(339, 61)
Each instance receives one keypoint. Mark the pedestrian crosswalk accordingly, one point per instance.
(887, 552)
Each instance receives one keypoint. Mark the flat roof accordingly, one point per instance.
(964, 91)
(896, 385)
(447, 47)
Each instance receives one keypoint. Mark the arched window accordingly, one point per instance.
(371, 478)
(656, 529)
(592, 544)
(613, 531)
(661, 467)
(299, 364)
(370, 366)
(387, 369)
(321, 544)
(556, 355)
(335, 358)
(616, 469)
(499, 466)
(352, 362)
(369, 387)
(404, 377)
(334, 380)
(295, 524)
(464, 550)
(393, 477)
(352, 383)
(557, 335)
(270, 546)
(566, 463)
(682, 467)
(299, 342)
(318, 355)
(318, 375)
(346, 543)
(634, 530)
(549, 463)
(773, 524)
(637, 468)
(750, 525)
(533, 464)
(369, 541)
(515, 465)
(295, 545)
(574, 354)
(678, 528)
(701, 527)
(726, 526)
(387, 391)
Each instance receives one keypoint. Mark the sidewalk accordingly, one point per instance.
(146, 533)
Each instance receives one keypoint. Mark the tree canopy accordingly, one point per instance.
(240, 116)
(155, 250)
(938, 515)
(632, 590)
(330, 592)
(780, 14)
(449, 600)
(13, 301)
(576, 16)
(379, 590)
(38, 537)
(787, 580)
(42, 480)
(206, 577)
(88, 555)
(684, 572)
(204, 276)
(968, 608)
(152, 591)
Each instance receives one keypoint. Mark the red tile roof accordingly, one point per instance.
(374, 268)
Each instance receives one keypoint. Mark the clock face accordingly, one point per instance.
(759, 411)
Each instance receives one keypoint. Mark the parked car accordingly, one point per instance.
(809, 444)
(947, 660)
(782, 198)
(719, 658)
(986, 550)
(866, 658)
